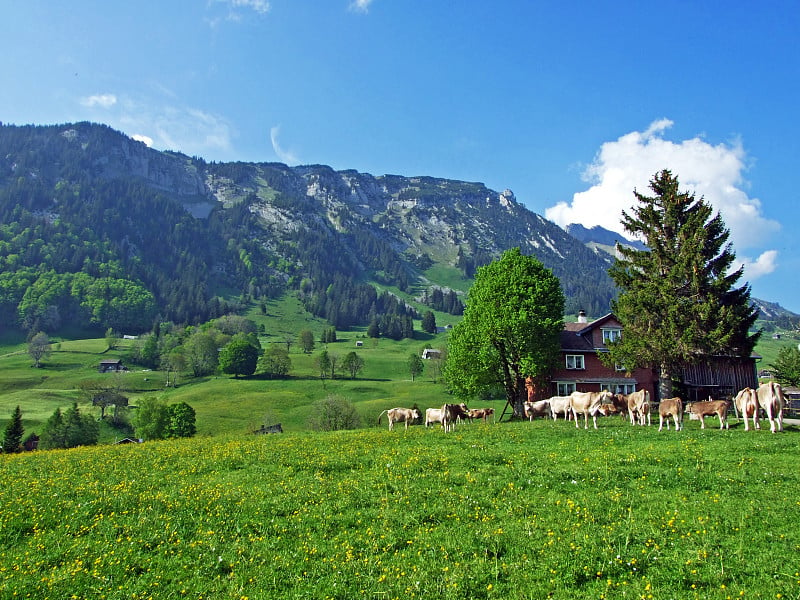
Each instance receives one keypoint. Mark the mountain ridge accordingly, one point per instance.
(263, 229)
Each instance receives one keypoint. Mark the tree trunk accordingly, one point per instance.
(665, 383)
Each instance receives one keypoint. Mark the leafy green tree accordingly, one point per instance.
(415, 365)
(151, 420)
(307, 341)
(275, 362)
(239, 357)
(201, 350)
(182, 420)
(353, 364)
(373, 330)
(787, 366)
(429, 322)
(510, 331)
(324, 364)
(12, 437)
(39, 348)
(111, 338)
(678, 302)
(333, 413)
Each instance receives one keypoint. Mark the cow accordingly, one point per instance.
(772, 400)
(540, 408)
(480, 413)
(559, 405)
(437, 415)
(451, 414)
(639, 407)
(746, 402)
(670, 407)
(588, 403)
(400, 415)
(709, 408)
(619, 404)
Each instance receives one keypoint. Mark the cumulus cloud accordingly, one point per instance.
(286, 156)
(714, 172)
(99, 100)
(361, 6)
(765, 264)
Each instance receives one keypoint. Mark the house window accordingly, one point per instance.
(565, 388)
(575, 361)
(619, 367)
(611, 335)
(625, 388)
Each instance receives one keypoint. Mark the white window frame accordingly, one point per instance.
(611, 335)
(624, 388)
(575, 361)
(565, 388)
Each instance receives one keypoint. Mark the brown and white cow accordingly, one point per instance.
(451, 414)
(480, 413)
(540, 408)
(709, 408)
(639, 407)
(400, 415)
(559, 405)
(772, 400)
(670, 407)
(588, 403)
(746, 402)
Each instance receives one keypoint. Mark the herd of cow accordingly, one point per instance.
(636, 406)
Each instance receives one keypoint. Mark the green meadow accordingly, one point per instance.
(508, 510)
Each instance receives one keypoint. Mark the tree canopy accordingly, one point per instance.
(510, 330)
(678, 302)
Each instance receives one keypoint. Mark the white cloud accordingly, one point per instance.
(101, 100)
(262, 7)
(169, 127)
(361, 6)
(286, 156)
(146, 140)
(234, 7)
(714, 172)
(765, 264)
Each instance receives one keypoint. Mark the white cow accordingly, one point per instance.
(772, 400)
(540, 408)
(588, 403)
(400, 415)
(559, 405)
(746, 402)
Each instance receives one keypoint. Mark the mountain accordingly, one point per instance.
(97, 228)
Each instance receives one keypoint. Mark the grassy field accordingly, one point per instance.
(227, 405)
(512, 510)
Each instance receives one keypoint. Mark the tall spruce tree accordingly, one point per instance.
(12, 436)
(678, 302)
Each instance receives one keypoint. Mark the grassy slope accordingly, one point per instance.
(514, 510)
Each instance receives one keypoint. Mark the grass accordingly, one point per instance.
(514, 511)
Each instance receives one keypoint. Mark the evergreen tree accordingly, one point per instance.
(12, 437)
(677, 300)
(787, 366)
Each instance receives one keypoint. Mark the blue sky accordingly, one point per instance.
(571, 105)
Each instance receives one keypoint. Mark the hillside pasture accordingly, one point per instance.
(515, 511)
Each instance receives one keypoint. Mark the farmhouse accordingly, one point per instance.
(580, 368)
(430, 353)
